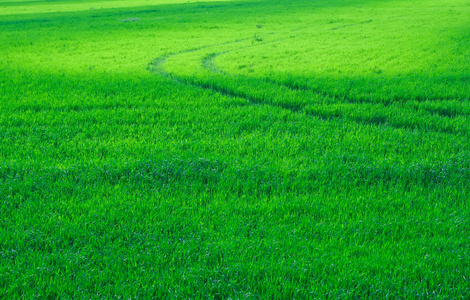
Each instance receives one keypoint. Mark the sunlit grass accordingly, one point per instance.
(235, 149)
(20, 7)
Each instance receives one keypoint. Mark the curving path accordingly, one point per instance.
(306, 100)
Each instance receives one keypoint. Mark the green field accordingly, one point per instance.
(278, 149)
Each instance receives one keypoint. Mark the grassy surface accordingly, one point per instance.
(235, 149)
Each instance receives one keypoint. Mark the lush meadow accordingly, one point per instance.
(235, 149)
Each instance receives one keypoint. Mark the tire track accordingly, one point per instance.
(378, 120)
(207, 63)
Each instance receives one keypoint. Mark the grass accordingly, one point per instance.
(234, 149)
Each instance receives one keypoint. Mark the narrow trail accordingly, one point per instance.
(207, 64)
(263, 96)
